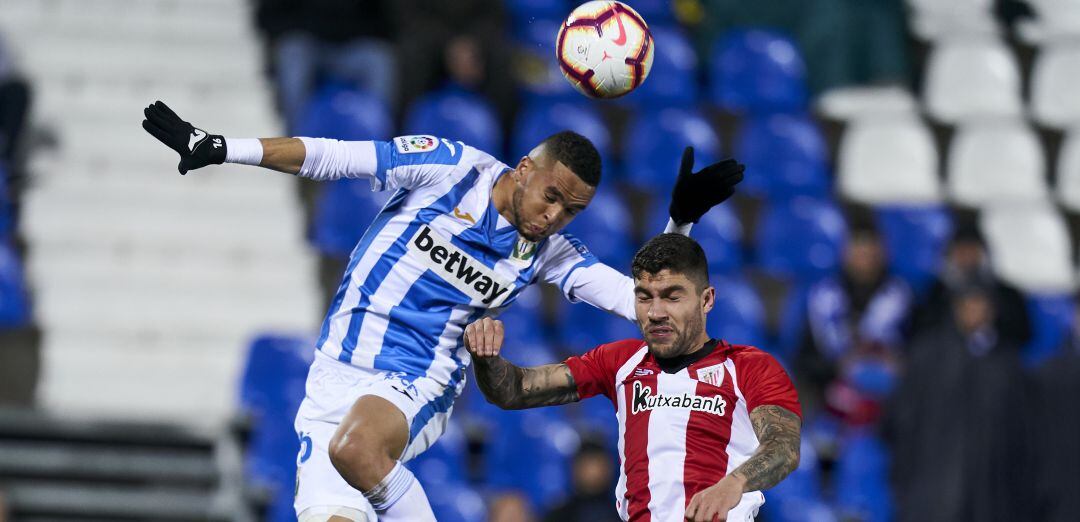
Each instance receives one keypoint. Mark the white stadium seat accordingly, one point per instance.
(968, 79)
(993, 162)
(1068, 172)
(888, 160)
(1055, 86)
(1055, 20)
(847, 103)
(1030, 247)
(938, 19)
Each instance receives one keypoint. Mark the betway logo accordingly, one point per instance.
(644, 400)
(458, 268)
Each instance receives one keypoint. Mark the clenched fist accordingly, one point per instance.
(484, 338)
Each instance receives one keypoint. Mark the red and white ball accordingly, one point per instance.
(604, 49)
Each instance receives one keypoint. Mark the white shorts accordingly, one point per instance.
(332, 388)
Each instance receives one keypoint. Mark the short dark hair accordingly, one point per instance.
(577, 153)
(675, 252)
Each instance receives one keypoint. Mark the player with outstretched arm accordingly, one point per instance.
(704, 425)
(461, 237)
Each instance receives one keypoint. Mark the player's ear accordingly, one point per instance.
(708, 299)
(524, 166)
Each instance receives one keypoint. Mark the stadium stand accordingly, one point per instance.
(996, 162)
(888, 160)
(971, 78)
(757, 70)
(1053, 82)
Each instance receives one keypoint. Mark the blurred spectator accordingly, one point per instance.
(315, 40)
(591, 500)
(959, 420)
(968, 263)
(459, 44)
(1057, 432)
(510, 507)
(854, 324)
(844, 42)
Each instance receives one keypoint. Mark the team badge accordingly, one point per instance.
(713, 375)
(524, 250)
(414, 144)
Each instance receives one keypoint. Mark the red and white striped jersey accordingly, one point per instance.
(681, 432)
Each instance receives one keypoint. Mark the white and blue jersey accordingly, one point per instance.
(439, 256)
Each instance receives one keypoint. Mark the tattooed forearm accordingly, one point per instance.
(513, 388)
(778, 431)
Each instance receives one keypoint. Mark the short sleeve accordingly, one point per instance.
(594, 371)
(764, 382)
(563, 255)
(414, 161)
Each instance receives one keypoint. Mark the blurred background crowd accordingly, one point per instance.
(905, 242)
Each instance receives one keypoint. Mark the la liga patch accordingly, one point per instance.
(416, 143)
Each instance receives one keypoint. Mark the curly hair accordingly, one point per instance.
(577, 153)
(674, 252)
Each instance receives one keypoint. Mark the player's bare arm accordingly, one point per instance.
(778, 432)
(512, 387)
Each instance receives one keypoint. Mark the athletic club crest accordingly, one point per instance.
(713, 375)
(524, 250)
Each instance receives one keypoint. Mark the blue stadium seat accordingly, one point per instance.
(271, 389)
(792, 325)
(785, 155)
(1051, 322)
(445, 462)
(605, 229)
(530, 451)
(915, 238)
(798, 497)
(673, 78)
(456, 114)
(584, 327)
(343, 211)
(345, 113)
(862, 479)
(524, 11)
(800, 239)
(456, 503)
(739, 315)
(541, 119)
(719, 232)
(654, 12)
(757, 71)
(14, 300)
(654, 144)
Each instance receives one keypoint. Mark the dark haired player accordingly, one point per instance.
(460, 238)
(704, 425)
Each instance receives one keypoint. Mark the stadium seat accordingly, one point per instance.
(654, 144)
(524, 11)
(1056, 74)
(915, 238)
(798, 497)
(654, 11)
(605, 229)
(346, 114)
(1052, 323)
(785, 155)
(888, 160)
(968, 79)
(719, 232)
(672, 80)
(931, 20)
(800, 239)
(849, 103)
(456, 114)
(1055, 21)
(739, 315)
(862, 479)
(996, 162)
(445, 462)
(542, 118)
(343, 211)
(584, 327)
(1030, 247)
(757, 71)
(529, 451)
(1068, 172)
(14, 300)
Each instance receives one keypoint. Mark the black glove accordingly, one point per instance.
(196, 147)
(695, 193)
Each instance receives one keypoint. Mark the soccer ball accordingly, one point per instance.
(604, 49)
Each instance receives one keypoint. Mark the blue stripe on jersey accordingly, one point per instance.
(444, 402)
(588, 259)
(389, 157)
(416, 325)
(389, 210)
(385, 263)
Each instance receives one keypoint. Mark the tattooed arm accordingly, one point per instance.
(512, 387)
(778, 432)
